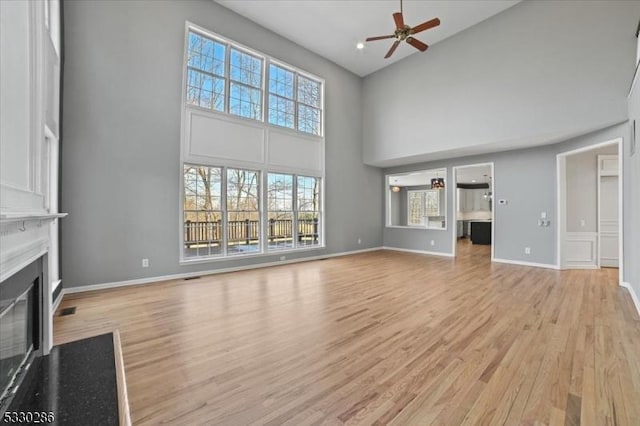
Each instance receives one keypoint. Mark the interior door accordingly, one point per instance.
(608, 210)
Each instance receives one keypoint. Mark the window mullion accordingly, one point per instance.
(210, 74)
(295, 101)
(265, 95)
(261, 210)
(223, 207)
(294, 209)
(227, 78)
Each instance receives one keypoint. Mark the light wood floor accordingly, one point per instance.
(377, 338)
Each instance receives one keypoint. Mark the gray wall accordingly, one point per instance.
(632, 198)
(527, 180)
(582, 189)
(120, 147)
(541, 71)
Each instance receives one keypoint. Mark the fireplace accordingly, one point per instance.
(20, 327)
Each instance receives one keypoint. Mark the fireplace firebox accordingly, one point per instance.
(20, 327)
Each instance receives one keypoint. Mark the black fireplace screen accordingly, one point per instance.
(19, 326)
(16, 337)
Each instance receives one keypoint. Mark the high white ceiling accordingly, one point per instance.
(332, 28)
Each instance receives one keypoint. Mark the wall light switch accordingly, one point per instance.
(583, 223)
(433, 243)
(543, 215)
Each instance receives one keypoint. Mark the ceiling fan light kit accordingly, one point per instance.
(404, 32)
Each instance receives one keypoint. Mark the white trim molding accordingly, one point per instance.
(56, 303)
(580, 250)
(561, 202)
(429, 253)
(523, 263)
(149, 280)
(634, 296)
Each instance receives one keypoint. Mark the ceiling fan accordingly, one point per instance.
(404, 32)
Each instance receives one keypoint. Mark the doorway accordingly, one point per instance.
(590, 207)
(474, 230)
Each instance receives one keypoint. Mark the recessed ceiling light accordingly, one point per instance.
(360, 46)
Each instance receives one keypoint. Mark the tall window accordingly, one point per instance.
(280, 214)
(308, 105)
(243, 212)
(294, 100)
(206, 72)
(202, 211)
(308, 211)
(223, 212)
(226, 78)
(246, 85)
(282, 109)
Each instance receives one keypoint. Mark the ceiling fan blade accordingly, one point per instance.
(425, 26)
(417, 44)
(399, 20)
(394, 46)
(379, 38)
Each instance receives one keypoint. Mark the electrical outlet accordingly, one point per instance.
(283, 257)
(527, 250)
(145, 263)
(432, 242)
(583, 223)
(359, 241)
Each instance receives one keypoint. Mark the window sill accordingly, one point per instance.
(199, 260)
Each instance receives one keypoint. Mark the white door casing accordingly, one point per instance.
(608, 205)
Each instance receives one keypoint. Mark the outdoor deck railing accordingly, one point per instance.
(246, 231)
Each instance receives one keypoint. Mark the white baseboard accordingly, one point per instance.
(634, 296)
(430, 253)
(57, 302)
(104, 286)
(567, 267)
(522, 263)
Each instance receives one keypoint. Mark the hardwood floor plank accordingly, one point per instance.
(377, 338)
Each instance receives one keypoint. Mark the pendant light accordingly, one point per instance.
(437, 182)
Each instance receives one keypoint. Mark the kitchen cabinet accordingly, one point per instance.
(481, 232)
(473, 200)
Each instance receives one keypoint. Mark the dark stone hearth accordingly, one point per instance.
(76, 381)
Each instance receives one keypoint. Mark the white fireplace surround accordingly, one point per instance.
(24, 239)
(29, 132)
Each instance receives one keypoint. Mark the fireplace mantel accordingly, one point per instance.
(23, 237)
(23, 217)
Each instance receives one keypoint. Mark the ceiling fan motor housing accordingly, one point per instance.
(403, 33)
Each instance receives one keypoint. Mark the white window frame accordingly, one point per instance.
(296, 102)
(266, 62)
(264, 168)
(263, 214)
